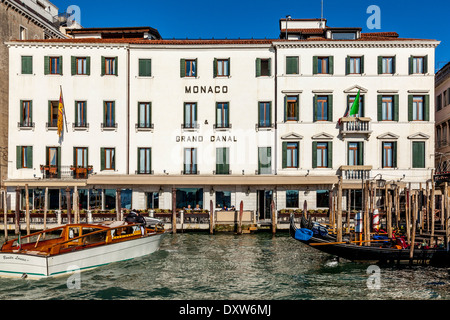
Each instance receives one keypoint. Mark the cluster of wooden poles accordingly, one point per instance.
(414, 209)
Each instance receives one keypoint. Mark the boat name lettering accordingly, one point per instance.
(14, 258)
(206, 89)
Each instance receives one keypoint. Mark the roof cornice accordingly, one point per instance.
(357, 44)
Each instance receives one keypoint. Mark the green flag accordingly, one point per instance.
(355, 107)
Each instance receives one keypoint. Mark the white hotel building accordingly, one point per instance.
(221, 120)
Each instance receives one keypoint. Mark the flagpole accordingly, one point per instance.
(64, 110)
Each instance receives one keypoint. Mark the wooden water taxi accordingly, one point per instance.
(78, 247)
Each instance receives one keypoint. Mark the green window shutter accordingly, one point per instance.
(21, 111)
(394, 154)
(410, 108)
(215, 68)
(150, 111)
(103, 66)
(284, 154)
(61, 66)
(425, 64)
(150, 159)
(380, 65)
(76, 112)
(182, 68)
(258, 67)
(330, 154)
(297, 109)
(347, 65)
(229, 66)
(285, 109)
(360, 153)
(49, 112)
(411, 67)
(27, 65)
(362, 64)
(145, 67)
(196, 68)
(29, 157)
(314, 154)
(102, 159)
(104, 113)
(74, 156)
(426, 108)
(73, 65)
(113, 112)
(418, 154)
(19, 157)
(394, 64)
(330, 108)
(315, 108)
(88, 66)
(270, 67)
(396, 107)
(141, 71)
(58, 163)
(362, 107)
(116, 61)
(380, 108)
(291, 65)
(139, 160)
(315, 64)
(46, 65)
(331, 65)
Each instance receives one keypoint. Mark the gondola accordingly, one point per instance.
(382, 252)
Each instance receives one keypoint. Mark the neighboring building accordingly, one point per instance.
(20, 20)
(221, 120)
(443, 121)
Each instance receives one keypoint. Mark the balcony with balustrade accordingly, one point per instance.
(352, 125)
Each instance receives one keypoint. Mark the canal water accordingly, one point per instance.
(199, 266)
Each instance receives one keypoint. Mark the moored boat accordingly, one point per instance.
(77, 247)
(379, 251)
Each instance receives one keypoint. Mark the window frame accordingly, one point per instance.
(193, 115)
(54, 65)
(292, 149)
(83, 112)
(111, 166)
(321, 60)
(190, 168)
(325, 112)
(223, 62)
(323, 147)
(147, 152)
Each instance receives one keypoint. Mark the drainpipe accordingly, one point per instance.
(128, 110)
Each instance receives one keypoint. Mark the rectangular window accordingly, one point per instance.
(355, 65)
(387, 109)
(265, 115)
(22, 33)
(223, 199)
(418, 108)
(55, 65)
(322, 155)
(323, 199)
(388, 155)
(152, 200)
(144, 115)
(109, 115)
(418, 150)
(191, 68)
(80, 114)
(265, 160)
(27, 65)
(292, 65)
(418, 65)
(222, 161)
(387, 65)
(439, 102)
(24, 157)
(81, 157)
(355, 153)
(144, 160)
(53, 114)
(108, 159)
(110, 66)
(222, 115)
(145, 67)
(292, 152)
(351, 100)
(81, 64)
(292, 199)
(263, 67)
(190, 115)
(53, 161)
(26, 112)
(323, 65)
(445, 98)
(322, 108)
(222, 67)
(52, 156)
(292, 108)
(190, 161)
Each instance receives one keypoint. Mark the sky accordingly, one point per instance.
(259, 19)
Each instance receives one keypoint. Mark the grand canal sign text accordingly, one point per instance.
(201, 139)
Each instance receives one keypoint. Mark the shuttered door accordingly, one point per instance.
(418, 149)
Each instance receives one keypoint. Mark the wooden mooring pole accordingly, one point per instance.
(211, 217)
(274, 218)
(408, 214)
(414, 222)
(433, 205)
(27, 210)
(17, 213)
(339, 211)
(174, 211)
(5, 214)
(241, 213)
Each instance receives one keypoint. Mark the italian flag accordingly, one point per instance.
(354, 110)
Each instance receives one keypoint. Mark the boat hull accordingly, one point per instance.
(16, 265)
(372, 253)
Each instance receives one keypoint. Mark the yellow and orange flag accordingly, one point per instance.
(60, 114)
